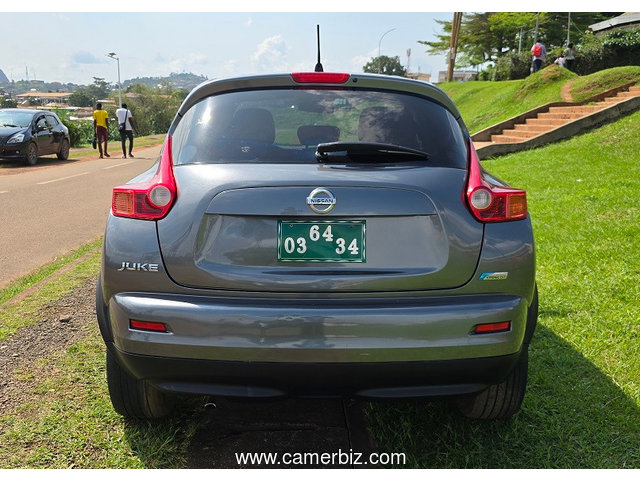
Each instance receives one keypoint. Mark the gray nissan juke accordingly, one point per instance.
(318, 234)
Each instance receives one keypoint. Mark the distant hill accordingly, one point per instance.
(186, 81)
(3, 77)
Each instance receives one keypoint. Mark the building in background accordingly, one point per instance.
(458, 76)
(626, 21)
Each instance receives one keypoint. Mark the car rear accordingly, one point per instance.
(317, 234)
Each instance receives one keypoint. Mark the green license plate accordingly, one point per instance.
(321, 241)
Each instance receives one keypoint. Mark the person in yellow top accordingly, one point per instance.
(101, 128)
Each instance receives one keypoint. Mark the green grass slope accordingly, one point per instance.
(582, 408)
(483, 104)
(585, 87)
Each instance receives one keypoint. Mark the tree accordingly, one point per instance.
(385, 65)
(88, 96)
(487, 36)
(153, 108)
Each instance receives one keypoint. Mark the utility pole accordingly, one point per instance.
(112, 55)
(380, 49)
(568, 27)
(453, 46)
(520, 40)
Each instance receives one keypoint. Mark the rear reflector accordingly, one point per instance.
(320, 77)
(147, 326)
(492, 327)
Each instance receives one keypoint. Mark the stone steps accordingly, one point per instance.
(556, 117)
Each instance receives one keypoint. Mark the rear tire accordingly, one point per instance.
(500, 401)
(32, 154)
(133, 398)
(63, 154)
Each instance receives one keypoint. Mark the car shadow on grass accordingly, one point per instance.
(218, 433)
(573, 416)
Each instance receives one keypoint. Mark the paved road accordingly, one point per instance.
(55, 207)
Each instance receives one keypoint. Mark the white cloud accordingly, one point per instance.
(229, 68)
(86, 57)
(187, 63)
(271, 56)
(61, 17)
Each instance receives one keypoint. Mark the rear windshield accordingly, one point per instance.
(286, 125)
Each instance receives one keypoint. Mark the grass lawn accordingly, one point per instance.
(589, 85)
(483, 104)
(582, 408)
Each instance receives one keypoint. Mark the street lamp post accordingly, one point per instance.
(380, 49)
(117, 59)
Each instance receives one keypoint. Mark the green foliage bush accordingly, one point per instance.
(512, 66)
(79, 132)
(153, 109)
(615, 49)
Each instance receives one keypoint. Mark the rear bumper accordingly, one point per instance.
(274, 379)
(374, 348)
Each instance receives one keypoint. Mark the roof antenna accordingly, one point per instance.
(318, 65)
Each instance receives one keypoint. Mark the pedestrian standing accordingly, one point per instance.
(570, 56)
(539, 53)
(126, 126)
(101, 128)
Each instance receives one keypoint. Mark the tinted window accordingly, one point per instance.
(285, 126)
(51, 120)
(41, 123)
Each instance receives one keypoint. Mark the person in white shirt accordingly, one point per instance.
(126, 125)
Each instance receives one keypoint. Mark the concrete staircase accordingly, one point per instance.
(554, 118)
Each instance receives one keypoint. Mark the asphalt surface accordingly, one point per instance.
(52, 208)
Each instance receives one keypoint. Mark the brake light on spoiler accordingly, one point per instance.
(150, 200)
(320, 77)
(489, 202)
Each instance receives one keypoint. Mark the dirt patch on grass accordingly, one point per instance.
(566, 92)
(61, 324)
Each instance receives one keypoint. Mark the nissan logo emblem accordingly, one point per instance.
(321, 200)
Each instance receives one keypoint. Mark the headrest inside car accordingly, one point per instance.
(315, 134)
(253, 124)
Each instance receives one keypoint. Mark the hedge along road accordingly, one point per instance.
(47, 211)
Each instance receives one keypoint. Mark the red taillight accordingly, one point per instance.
(492, 327)
(147, 326)
(151, 200)
(320, 77)
(489, 202)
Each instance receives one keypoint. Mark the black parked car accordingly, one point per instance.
(29, 134)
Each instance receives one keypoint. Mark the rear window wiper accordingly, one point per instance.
(365, 152)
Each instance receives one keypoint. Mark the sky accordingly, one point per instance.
(70, 44)
(72, 47)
